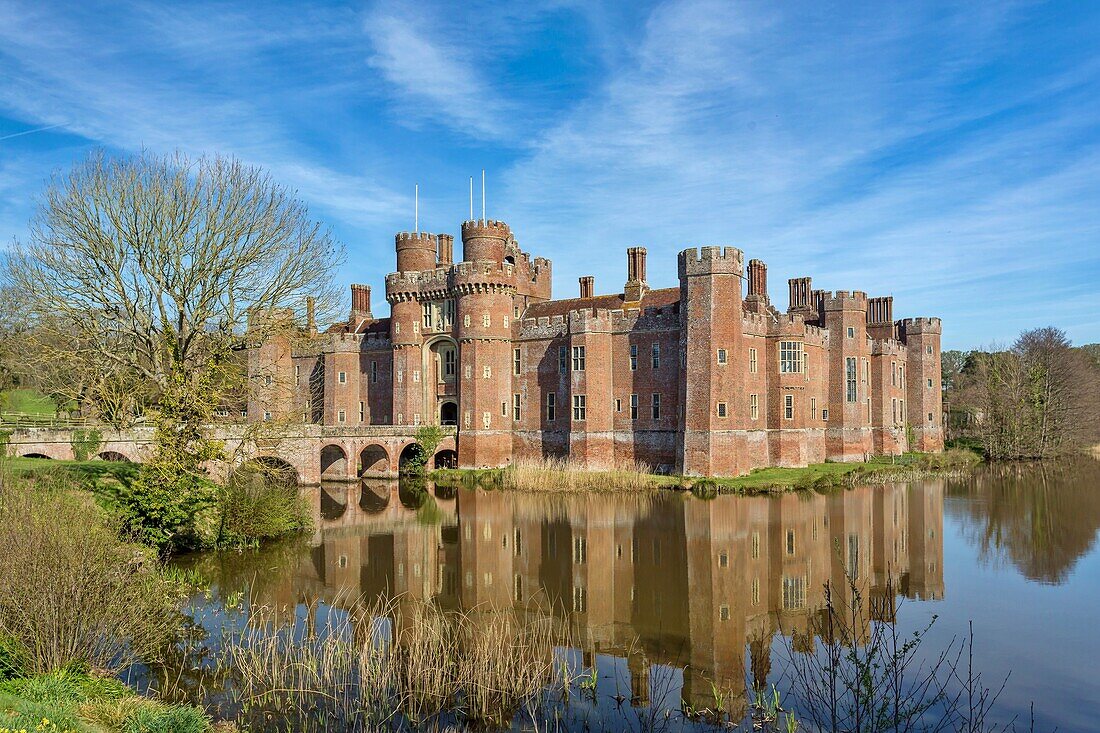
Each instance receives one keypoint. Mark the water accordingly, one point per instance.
(668, 594)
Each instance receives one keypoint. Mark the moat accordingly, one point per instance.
(668, 595)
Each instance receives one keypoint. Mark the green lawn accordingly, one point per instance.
(27, 401)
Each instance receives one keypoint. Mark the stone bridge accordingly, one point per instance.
(316, 453)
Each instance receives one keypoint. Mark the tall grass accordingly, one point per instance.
(388, 664)
(72, 590)
(559, 475)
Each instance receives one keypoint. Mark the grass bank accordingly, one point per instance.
(557, 476)
(244, 512)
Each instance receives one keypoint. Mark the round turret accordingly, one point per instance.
(416, 251)
(484, 240)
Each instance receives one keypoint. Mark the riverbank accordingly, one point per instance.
(559, 477)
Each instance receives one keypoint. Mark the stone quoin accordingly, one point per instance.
(707, 378)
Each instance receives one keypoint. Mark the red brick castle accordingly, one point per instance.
(701, 379)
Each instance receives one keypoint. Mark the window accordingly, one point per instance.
(790, 357)
(721, 356)
(504, 409)
(516, 361)
(825, 414)
(580, 550)
(578, 358)
(448, 314)
(723, 559)
(362, 411)
(374, 371)
(752, 361)
(427, 316)
(894, 373)
(794, 593)
(618, 405)
(297, 374)
(894, 409)
(790, 542)
(929, 348)
(449, 363)
(721, 409)
(633, 407)
(563, 358)
(551, 406)
(723, 613)
(850, 377)
(578, 407)
(340, 416)
(515, 407)
(633, 357)
(656, 411)
(580, 600)
(851, 332)
(343, 377)
(267, 416)
(788, 407)
(655, 356)
(813, 408)
(930, 420)
(929, 384)
(515, 311)
(754, 407)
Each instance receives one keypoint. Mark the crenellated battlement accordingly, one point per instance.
(416, 239)
(846, 300)
(485, 228)
(711, 261)
(920, 325)
(887, 347)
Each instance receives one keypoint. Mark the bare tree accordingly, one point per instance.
(151, 268)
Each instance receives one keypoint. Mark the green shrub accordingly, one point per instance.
(257, 504)
(153, 718)
(13, 659)
(86, 443)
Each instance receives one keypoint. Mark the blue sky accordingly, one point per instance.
(948, 154)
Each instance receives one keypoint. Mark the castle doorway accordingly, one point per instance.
(448, 413)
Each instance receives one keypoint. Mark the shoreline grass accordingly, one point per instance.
(557, 476)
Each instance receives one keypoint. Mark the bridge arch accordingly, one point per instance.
(273, 465)
(408, 453)
(334, 462)
(375, 496)
(36, 455)
(114, 456)
(374, 460)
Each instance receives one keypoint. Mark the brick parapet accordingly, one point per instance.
(714, 260)
(843, 300)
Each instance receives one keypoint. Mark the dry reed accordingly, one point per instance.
(388, 665)
(559, 475)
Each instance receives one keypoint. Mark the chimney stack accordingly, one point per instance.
(446, 249)
(360, 303)
(311, 315)
(757, 300)
(636, 285)
(588, 286)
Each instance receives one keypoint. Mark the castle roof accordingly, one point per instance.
(653, 299)
(376, 325)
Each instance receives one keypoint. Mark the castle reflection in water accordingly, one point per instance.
(660, 580)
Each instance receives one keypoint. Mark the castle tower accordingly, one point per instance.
(848, 432)
(416, 251)
(485, 240)
(711, 340)
(484, 292)
(924, 398)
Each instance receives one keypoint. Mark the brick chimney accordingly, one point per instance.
(588, 286)
(757, 300)
(446, 250)
(636, 285)
(360, 303)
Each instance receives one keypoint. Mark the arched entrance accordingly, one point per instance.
(446, 459)
(408, 453)
(374, 460)
(334, 463)
(448, 413)
(115, 456)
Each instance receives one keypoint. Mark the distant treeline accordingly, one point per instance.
(1038, 398)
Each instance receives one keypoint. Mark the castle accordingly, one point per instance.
(707, 378)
